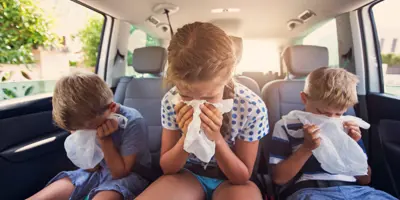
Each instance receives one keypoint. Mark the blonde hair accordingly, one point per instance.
(78, 98)
(334, 86)
(201, 52)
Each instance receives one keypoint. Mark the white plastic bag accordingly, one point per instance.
(196, 141)
(82, 149)
(338, 153)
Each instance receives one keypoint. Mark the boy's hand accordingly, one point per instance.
(354, 130)
(107, 128)
(211, 122)
(184, 115)
(311, 137)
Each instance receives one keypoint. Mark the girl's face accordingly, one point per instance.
(211, 91)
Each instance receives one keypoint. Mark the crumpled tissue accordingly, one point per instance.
(338, 153)
(196, 141)
(82, 148)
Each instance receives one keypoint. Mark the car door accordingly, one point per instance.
(31, 147)
(382, 76)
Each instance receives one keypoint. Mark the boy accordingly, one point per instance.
(84, 101)
(329, 92)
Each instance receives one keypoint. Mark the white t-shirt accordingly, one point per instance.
(249, 120)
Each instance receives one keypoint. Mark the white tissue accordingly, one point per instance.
(338, 153)
(196, 141)
(81, 146)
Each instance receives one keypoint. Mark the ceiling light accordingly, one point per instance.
(225, 10)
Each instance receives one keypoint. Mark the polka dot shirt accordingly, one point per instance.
(249, 119)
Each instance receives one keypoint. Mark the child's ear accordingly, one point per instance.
(113, 107)
(303, 97)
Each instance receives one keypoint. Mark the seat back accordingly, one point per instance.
(282, 96)
(145, 94)
(249, 83)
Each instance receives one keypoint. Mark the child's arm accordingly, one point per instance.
(120, 166)
(287, 169)
(173, 156)
(364, 180)
(238, 165)
(355, 133)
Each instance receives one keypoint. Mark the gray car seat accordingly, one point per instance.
(145, 94)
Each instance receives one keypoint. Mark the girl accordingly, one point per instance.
(201, 63)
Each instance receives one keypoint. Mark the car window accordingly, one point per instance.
(388, 30)
(259, 56)
(138, 39)
(40, 41)
(325, 36)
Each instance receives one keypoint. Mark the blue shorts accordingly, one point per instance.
(341, 192)
(90, 183)
(209, 184)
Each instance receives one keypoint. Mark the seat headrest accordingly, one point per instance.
(300, 60)
(149, 59)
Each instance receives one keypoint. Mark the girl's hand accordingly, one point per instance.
(354, 130)
(107, 128)
(211, 122)
(184, 115)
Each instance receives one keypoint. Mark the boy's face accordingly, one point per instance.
(99, 120)
(320, 108)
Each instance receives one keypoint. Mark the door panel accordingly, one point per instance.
(31, 148)
(384, 116)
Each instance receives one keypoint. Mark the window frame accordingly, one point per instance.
(377, 45)
(19, 100)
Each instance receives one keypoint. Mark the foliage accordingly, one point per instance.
(23, 26)
(90, 37)
(391, 59)
(73, 63)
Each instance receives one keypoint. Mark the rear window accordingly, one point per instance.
(325, 36)
(259, 56)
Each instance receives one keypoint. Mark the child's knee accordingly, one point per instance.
(109, 195)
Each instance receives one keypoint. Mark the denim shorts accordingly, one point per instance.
(341, 192)
(88, 184)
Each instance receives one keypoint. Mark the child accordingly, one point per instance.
(329, 92)
(201, 65)
(84, 101)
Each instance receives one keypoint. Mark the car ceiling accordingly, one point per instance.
(256, 19)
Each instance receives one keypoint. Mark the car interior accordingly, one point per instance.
(32, 147)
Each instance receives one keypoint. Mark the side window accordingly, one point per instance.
(388, 30)
(325, 36)
(138, 39)
(40, 41)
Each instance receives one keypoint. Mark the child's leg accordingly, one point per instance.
(60, 189)
(109, 195)
(125, 188)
